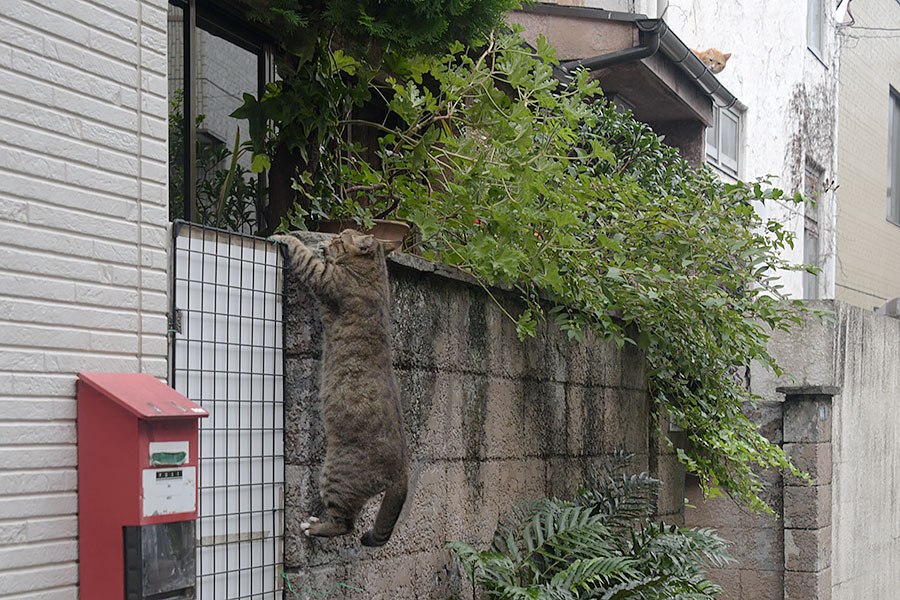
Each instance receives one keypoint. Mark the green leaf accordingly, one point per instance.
(345, 63)
(260, 163)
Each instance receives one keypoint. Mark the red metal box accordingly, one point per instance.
(137, 465)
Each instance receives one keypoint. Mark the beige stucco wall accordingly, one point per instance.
(867, 271)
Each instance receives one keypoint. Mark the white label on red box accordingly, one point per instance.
(169, 491)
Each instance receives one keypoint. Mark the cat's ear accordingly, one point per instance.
(725, 57)
(390, 246)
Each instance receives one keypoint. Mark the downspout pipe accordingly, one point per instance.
(650, 31)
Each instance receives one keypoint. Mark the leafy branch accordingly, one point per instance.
(587, 214)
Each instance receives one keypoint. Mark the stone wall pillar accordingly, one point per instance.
(807, 506)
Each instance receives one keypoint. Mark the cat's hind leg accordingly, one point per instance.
(330, 527)
(305, 525)
(339, 519)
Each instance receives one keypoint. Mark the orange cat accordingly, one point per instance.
(713, 59)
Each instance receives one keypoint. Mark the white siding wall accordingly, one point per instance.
(83, 242)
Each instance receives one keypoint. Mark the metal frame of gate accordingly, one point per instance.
(226, 354)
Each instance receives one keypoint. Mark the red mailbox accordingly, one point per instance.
(137, 487)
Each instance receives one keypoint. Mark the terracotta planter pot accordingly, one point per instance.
(384, 230)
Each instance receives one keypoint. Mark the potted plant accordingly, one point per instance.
(304, 130)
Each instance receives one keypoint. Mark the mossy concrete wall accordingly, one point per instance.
(489, 420)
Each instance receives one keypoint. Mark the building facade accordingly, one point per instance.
(868, 227)
(784, 69)
(84, 241)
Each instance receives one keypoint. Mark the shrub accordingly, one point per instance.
(601, 544)
(547, 189)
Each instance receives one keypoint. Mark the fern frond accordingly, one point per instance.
(599, 546)
(484, 566)
(534, 592)
(631, 589)
(511, 525)
(622, 498)
(560, 535)
(592, 573)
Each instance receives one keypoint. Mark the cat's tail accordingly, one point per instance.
(388, 513)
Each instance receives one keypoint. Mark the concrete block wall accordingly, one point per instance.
(83, 243)
(783, 557)
(807, 505)
(757, 539)
(839, 535)
(490, 420)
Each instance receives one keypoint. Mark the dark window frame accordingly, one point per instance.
(217, 20)
(815, 28)
(813, 188)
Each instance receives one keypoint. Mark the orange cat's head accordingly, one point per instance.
(713, 59)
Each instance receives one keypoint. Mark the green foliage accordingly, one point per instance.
(226, 197)
(599, 545)
(396, 25)
(546, 189)
(327, 53)
(593, 221)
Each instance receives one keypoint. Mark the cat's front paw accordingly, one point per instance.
(305, 525)
(283, 243)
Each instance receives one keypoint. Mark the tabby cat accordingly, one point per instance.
(365, 443)
(713, 59)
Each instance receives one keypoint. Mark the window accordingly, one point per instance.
(214, 59)
(893, 184)
(723, 140)
(815, 24)
(812, 191)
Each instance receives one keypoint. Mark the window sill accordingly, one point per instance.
(726, 175)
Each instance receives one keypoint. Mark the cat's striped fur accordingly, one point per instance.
(365, 441)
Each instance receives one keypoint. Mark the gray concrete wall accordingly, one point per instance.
(757, 539)
(866, 448)
(852, 543)
(859, 352)
(490, 420)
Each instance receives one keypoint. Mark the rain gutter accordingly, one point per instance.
(650, 33)
(655, 36)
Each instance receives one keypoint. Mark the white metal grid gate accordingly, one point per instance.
(227, 356)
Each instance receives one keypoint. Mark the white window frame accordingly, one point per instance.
(815, 27)
(893, 170)
(715, 156)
